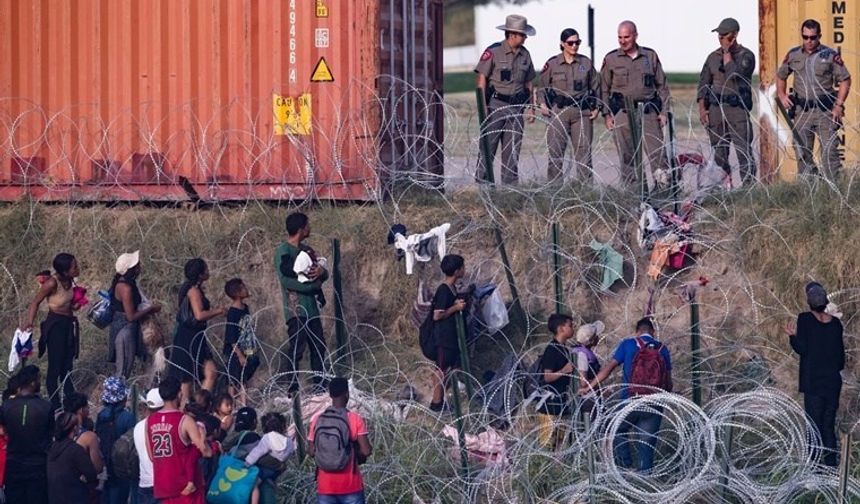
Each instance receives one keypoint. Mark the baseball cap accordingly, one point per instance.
(127, 261)
(245, 418)
(588, 331)
(153, 399)
(727, 25)
(816, 296)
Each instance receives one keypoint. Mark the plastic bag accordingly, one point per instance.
(494, 312)
(100, 314)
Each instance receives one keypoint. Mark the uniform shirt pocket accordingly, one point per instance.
(621, 77)
(822, 68)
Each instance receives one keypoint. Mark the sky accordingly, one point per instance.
(679, 30)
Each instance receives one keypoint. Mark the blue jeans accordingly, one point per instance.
(644, 426)
(116, 491)
(353, 498)
(144, 496)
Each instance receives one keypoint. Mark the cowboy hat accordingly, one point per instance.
(518, 24)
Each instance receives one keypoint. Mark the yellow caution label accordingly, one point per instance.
(322, 9)
(287, 120)
(322, 72)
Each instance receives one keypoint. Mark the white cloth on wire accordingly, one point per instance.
(420, 247)
(21, 341)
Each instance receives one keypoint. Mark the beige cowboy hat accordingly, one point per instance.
(519, 24)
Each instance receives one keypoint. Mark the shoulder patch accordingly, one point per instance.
(488, 55)
(545, 66)
(837, 58)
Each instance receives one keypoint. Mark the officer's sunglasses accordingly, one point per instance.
(572, 43)
(809, 37)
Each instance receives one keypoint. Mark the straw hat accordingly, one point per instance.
(127, 261)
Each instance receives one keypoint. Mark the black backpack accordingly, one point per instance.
(124, 458)
(427, 336)
(106, 432)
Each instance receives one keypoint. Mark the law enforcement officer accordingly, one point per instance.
(725, 101)
(505, 73)
(570, 87)
(817, 107)
(635, 72)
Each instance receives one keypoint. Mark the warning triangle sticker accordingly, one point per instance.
(322, 72)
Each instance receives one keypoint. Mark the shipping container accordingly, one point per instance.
(779, 31)
(223, 99)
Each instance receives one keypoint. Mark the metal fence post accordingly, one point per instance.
(339, 324)
(483, 140)
(695, 357)
(556, 261)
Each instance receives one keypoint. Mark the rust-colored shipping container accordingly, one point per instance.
(228, 99)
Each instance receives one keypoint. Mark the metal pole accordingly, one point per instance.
(844, 467)
(591, 30)
(464, 354)
(589, 457)
(695, 357)
(556, 260)
(726, 463)
(519, 315)
(768, 63)
(484, 140)
(300, 427)
(461, 428)
(339, 325)
(674, 175)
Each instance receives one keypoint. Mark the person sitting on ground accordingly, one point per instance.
(557, 371)
(277, 446)
(446, 304)
(29, 423)
(240, 340)
(213, 436)
(244, 430)
(112, 422)
(343, 484)
(817, 339)
(638, 356)
(70, 469)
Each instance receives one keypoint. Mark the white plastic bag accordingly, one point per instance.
(24, 339)
(494, 312)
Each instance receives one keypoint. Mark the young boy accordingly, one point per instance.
(446, 304)
(271, 452)
(240, 341)
(557, 370)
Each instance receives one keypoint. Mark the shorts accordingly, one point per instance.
(447, 358)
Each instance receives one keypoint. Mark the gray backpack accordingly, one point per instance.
(332, 447)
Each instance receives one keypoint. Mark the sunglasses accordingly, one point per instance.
(809, 37)
(572, 43)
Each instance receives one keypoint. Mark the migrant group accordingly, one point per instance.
(196, 443)
(631, 93)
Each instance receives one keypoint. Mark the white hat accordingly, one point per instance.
(518, 24)
(127, 261)
(588, 331)
(153, 399)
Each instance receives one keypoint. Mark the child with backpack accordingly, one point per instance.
(112, 422)
(240, 340)
(338, 443)
(646, 369)
(271, 452)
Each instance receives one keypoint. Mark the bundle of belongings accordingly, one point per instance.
(420, 247)
(485, 449)
(667, 235)
(485, 308)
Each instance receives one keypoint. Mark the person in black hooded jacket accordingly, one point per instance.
(68, 462)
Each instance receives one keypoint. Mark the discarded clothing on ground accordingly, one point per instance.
(422, 247)
(667, 235)
(611, 261)
(485, 449)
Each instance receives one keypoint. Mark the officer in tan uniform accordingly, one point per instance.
(635, 72)
(570, 87)
(725, 101)
(505, 73)
(817, 107)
